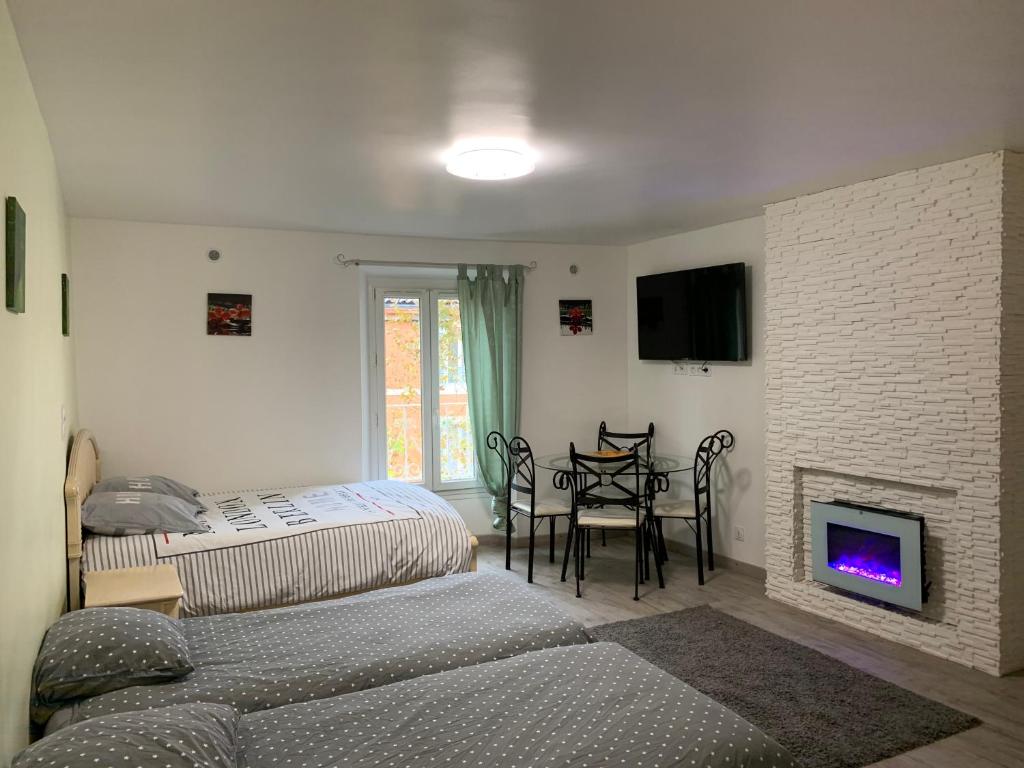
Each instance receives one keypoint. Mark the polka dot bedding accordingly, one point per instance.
(176, 737)
(90, 652)
(257, 661)
(578, 706)
(575, 706)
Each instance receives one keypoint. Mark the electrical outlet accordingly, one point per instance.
(738, 533)
(693, 369)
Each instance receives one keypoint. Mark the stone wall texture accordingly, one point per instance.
(890, 383)
(1012, 391)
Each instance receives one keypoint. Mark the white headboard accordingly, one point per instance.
(83, 474)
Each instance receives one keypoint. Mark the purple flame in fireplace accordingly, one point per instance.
(866, 554)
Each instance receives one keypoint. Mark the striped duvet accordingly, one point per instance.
(234, 573)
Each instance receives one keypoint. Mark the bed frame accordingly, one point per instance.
(83, 474)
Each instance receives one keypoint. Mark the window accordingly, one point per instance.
(420, 430)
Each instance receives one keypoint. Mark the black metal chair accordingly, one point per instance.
(520, 477)
(620, 441)
(696, 513)
(625, 441)
(600, 482)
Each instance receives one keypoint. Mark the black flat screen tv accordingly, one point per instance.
(694, 314)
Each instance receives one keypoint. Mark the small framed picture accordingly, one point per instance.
(229, 314)
(65, 305)
(14, 267)
(576, 317)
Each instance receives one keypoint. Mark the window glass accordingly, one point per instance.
(403, 395)
(455, 438)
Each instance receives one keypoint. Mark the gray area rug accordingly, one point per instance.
(825, 712)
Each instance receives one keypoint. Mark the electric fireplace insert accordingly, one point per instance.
(872, 552)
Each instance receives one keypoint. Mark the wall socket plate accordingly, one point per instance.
(691, 369)
(738, 533)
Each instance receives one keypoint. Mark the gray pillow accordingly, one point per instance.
(95, 650)
(129, 512)
(182, 736)
(149, 484)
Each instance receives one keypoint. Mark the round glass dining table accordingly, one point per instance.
(659, 464)
(655, 471)
(658, 470)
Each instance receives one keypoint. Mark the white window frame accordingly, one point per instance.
(428, 291)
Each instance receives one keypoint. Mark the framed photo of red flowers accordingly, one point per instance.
(229, 314)
(576, 316)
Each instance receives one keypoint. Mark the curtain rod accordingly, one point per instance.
(342, 261)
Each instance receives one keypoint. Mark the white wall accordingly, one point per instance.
(686, 408)
(37, 379)
(285, 406)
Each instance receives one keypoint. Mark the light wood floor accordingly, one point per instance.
(608, 593)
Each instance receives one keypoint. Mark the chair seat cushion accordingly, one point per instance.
(543, 507)
(594, 520)
(675, 508)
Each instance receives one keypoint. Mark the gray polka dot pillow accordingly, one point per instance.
(96, 650)
(183, 736)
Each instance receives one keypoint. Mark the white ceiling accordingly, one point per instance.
(650, 116)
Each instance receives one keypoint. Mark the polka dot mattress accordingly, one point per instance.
(578, 706)
(266, 659)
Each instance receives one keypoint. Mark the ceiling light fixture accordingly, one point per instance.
(490, 163)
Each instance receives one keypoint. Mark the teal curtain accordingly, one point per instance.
(492, 322)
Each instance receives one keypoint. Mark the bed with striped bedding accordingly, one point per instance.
(292, 545)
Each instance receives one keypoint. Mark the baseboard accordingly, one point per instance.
(747, 569)
(519, 542)
(541, 543)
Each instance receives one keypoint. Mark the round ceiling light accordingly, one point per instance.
(490, 163)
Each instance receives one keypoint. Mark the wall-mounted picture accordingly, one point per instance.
(229, 314)
(15, 256)
(65, 305)
(576, 316)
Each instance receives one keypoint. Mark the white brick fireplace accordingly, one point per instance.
(894, 369)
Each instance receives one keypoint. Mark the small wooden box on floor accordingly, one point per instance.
(154, 587)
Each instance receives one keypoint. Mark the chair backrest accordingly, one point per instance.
(519, 474)
(710, 448)
(497, 443)
(522, 470)
(603, 481)
(620, 441)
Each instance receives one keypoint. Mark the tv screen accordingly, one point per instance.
(694, 314)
